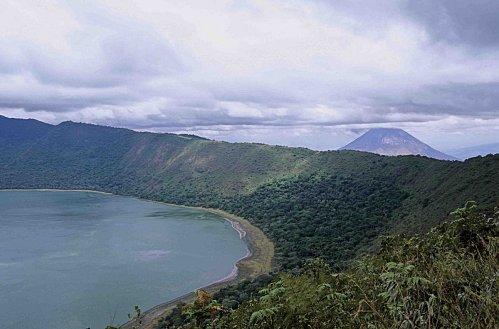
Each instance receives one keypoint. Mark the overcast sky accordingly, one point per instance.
(292, 72)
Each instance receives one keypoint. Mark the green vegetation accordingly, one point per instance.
(331, 205)
(321, 216)
(446, 278)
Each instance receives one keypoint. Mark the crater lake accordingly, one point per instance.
(77, 259)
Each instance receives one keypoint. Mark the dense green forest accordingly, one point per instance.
(446, 278)
(332, 205)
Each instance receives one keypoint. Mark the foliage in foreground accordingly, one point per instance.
(447, 278)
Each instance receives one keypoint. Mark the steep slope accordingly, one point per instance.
(443, 279)
(124, 161)
(16, 135)
(330, 204)
(391, 141)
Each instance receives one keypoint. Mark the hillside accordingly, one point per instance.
(391, 141)
(334, 205)
(328, 204)
(443, 279)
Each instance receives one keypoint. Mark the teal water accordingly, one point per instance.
(83, 259)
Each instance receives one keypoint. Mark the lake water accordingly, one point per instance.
(83, 259)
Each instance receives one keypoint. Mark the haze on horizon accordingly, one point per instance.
(296, 72)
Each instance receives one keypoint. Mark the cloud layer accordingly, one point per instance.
(296, 72)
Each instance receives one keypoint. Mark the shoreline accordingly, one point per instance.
(257, 260)
(60, 190)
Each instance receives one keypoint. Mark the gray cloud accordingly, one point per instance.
(65, 101)
(478, 99)
(471, 22)
(103, 51)
(259, 69)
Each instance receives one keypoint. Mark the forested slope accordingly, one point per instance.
(446, 278)
(332, 204)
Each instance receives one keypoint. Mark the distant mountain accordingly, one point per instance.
(393, 141)
(473, 151)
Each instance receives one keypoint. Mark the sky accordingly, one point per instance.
(310, 73)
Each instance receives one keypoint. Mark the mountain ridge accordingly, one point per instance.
(330, 204)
